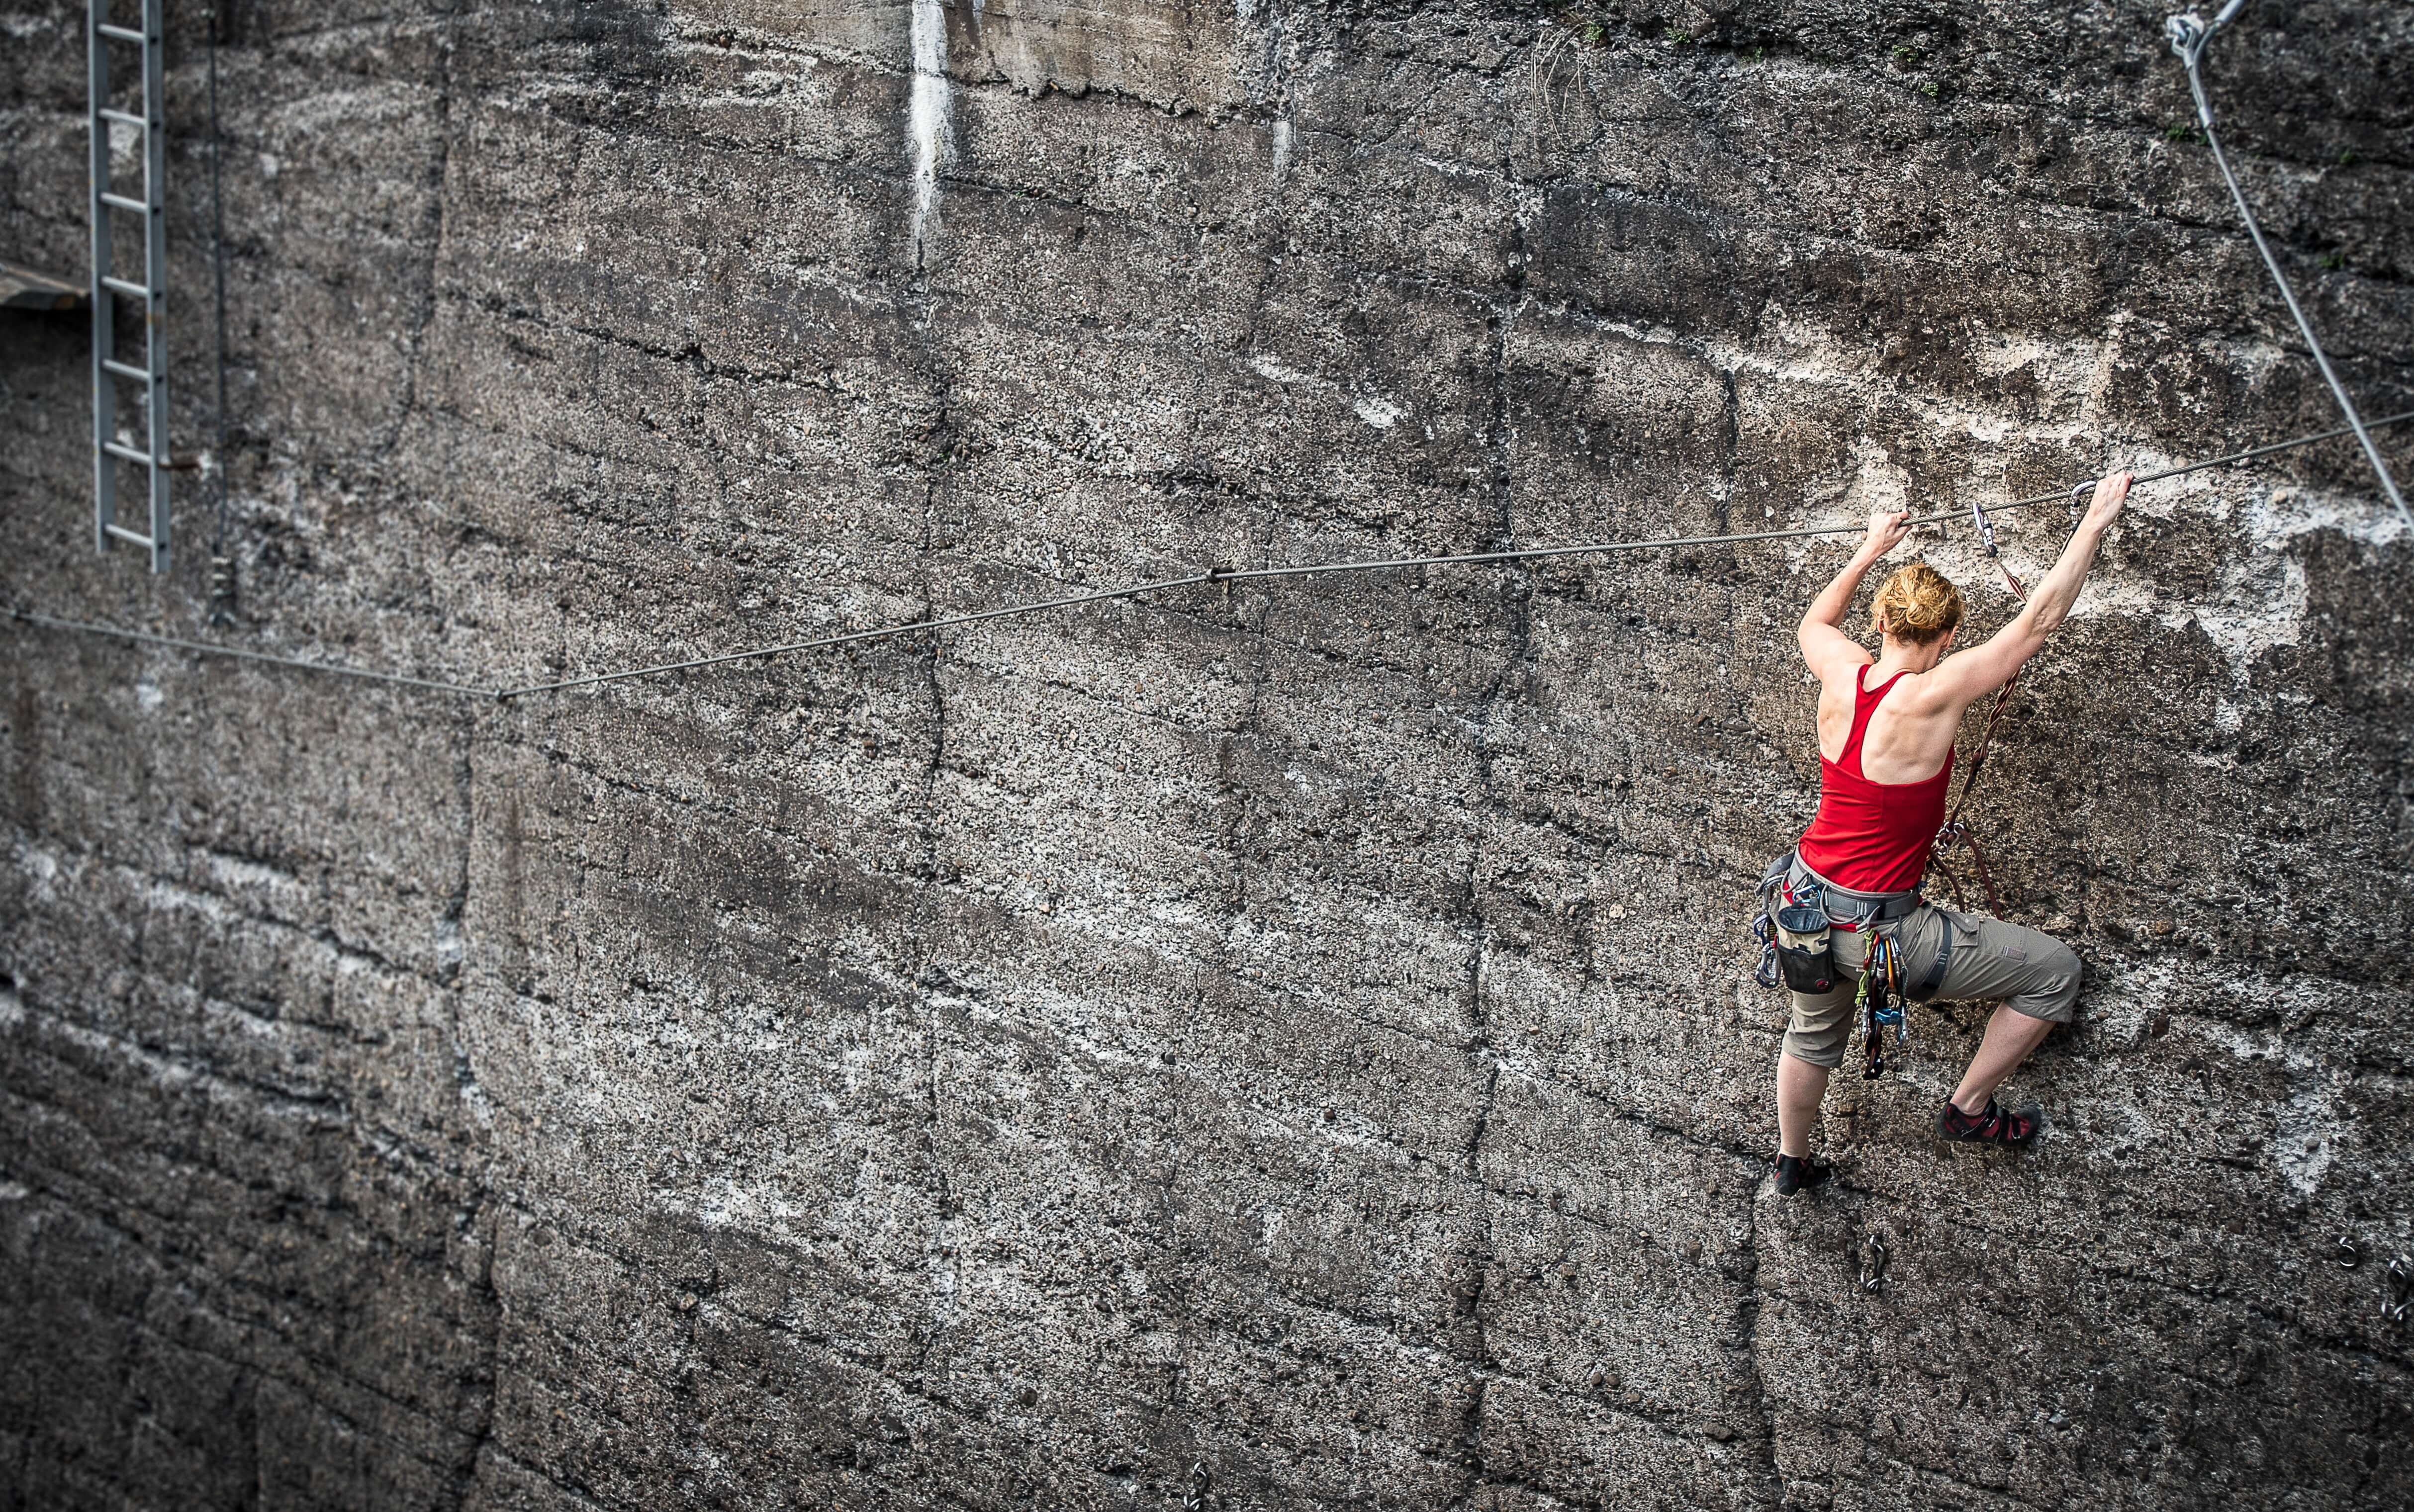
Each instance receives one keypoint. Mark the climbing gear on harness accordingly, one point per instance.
(1764, 924)
(1782, 891)
(1799, 1173)
(1765, 970)
(1992, 1126)
(1805, 952)
(1879, 980)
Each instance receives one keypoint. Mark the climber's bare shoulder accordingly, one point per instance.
(1838, 672)
(1944, 692)
(1963, 677)
(1910, 731)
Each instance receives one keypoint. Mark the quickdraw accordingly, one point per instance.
(1764, 932)
(1987, 539)
(1879, 1003)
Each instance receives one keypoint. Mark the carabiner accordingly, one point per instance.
(1986, 527)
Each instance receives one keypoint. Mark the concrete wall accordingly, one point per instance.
(1303, 1029)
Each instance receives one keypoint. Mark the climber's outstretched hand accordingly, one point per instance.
(2111, 493)
(1886, 529)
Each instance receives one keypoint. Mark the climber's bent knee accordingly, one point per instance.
(2030, 971)
(2055, 998)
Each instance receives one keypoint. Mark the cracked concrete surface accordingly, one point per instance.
(1298, 1028)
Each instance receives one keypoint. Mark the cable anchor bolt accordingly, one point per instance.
(1195, 1499)
(2400, 1300)
(2189, 32)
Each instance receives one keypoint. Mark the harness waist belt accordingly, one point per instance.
(1852, 912)
(1849, 909)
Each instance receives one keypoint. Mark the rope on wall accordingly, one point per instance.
(2188, 34)
(1213, 574)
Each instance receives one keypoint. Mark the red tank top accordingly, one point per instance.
(1872, 837)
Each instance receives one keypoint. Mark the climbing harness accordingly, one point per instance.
(2188, 33)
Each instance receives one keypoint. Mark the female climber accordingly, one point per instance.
(1885, 758)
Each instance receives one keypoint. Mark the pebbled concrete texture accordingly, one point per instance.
(1303, 1031)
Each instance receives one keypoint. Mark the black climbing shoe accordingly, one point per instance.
(1992, 1127)
(1798, 1173)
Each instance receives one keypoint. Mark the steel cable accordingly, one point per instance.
(1233, 574)
(1212, 575)
(333, 669)
(2188, 36)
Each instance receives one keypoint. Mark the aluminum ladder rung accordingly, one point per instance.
(126, 117)
(111, 364)
(121, 34)
(130, 289)
(119, 201)
(143, 458)
(130, 536)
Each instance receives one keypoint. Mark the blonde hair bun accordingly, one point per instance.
(1917, 604)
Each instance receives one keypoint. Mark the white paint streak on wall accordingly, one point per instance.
(1377, 412)
(2305, 1134)
(1275, 369)
(926, 125)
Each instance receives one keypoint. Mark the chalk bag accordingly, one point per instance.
(1806, 954)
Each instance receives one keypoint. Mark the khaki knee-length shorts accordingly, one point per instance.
(2031, 972)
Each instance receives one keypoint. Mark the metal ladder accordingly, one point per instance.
(101, 34)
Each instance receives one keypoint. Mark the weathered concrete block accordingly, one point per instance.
(1296, 1027)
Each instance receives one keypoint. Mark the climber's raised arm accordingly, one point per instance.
(1821, 635)
(1975, 672)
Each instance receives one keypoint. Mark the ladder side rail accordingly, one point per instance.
(104, 397)
(155, 263)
